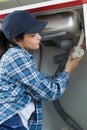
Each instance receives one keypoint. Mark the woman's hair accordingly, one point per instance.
(5, 43)
(18, 38)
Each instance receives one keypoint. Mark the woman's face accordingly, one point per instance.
(30, 41)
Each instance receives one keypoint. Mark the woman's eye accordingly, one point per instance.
(32, 35)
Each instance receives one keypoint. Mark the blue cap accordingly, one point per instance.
(19, 22)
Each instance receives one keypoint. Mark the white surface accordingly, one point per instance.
(34, 5)
(85, 21)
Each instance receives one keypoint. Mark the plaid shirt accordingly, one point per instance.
(21, 83)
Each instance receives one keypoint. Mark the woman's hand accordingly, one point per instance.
(72, 63)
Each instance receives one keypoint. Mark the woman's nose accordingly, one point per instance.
(39, 36)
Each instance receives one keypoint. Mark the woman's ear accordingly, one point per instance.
(16, 41)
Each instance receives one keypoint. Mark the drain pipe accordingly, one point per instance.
(68, 120)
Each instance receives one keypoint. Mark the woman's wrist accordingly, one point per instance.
(68, 71)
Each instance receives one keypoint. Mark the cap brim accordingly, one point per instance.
(37, 28)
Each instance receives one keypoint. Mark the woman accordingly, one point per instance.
(22, 87)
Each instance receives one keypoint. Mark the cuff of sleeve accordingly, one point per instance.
(64, 75)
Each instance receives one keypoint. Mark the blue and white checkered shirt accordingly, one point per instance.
(21, 83)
